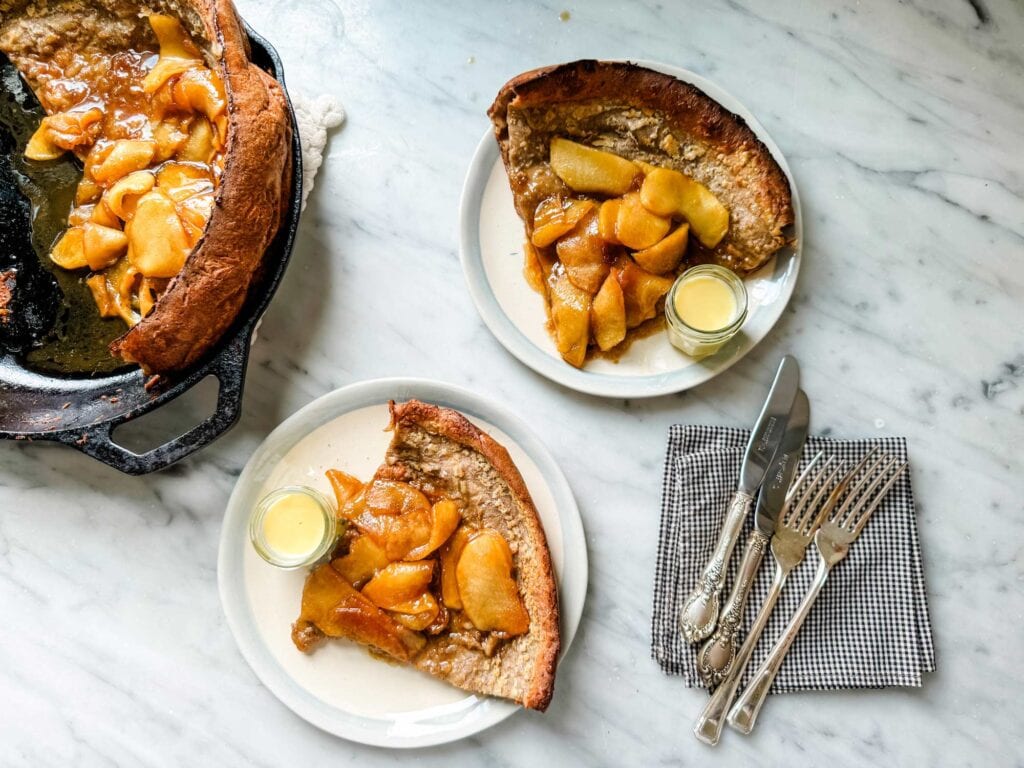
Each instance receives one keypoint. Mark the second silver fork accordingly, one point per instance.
(833, 541)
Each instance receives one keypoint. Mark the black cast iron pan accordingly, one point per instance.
(83, 412)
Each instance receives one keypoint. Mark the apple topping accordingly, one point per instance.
(417, 614)
(604, 265)
(585, 169)
(636, 227)
(641, 292)
(391, 592)
(608, 314)
(583, 253)
(399, 582)
(489, 594)
(570, 316)
(331, 606)
(555, 216)
(665, 255)
(670, 193)
(449, 560)
(445, 519)
(344, 485)
(363, 560)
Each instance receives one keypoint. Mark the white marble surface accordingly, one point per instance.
(902, 123)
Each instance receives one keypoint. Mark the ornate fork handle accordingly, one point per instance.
(716, 656)
(743, 715)
(700, 612)
(712, 719)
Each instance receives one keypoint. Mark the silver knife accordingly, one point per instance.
(716, 656)
(700, 611)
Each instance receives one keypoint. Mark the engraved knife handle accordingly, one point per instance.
(711, 721)
(716, 655)
(700, 611)
(743, 715)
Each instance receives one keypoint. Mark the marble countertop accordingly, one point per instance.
(901, 123)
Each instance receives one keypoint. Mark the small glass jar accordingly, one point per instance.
(700, 342)
(318, 545)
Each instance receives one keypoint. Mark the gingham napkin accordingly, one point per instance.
(869, 627)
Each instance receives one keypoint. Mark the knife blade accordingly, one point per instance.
(700, 611)
(783, 467)
(771, 425)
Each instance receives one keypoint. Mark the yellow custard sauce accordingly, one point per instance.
(706, 303)
(705, 308)
(293, 526)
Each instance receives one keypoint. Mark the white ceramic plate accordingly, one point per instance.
(340, 687)
(491, 248)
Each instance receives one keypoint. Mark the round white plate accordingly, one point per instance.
(491, 248)
(340, 687)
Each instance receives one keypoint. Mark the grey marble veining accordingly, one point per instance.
(902, 123)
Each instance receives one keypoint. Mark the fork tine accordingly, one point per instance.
(796, 487)
(812, 519)
(866, 509)
(809, 481)
(845, 511)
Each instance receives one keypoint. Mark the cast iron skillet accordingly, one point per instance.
(83, 412)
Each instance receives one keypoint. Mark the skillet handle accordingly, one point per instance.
(229, 368)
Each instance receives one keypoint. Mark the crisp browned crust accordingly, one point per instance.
(532, 657)
(654, 117)
(202, 302)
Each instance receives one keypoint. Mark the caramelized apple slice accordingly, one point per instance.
(582, 253)
(670, 193)
(445, 520)
(449, 560)
(42, 146)
(585, 169)
(170, 135)
(101, 295)
(102, 215)
(344, 485)
(200, 146)
(127, 155)
(640, 291)
(398, 583)
(606, 219)
(608, 314)
(532, 269)
(570, 315)
(636, 227)
(390, 497)
(159, 245)
(665, 255)
(417, 614)
(182, 180)
(555, 216)
(102, 245)
(124, 194)
(490, 597)
(363, 560)
(69, 252)
(174, 43)
(397, 534)
(331, 606)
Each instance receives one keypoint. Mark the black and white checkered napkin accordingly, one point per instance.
(869, 628)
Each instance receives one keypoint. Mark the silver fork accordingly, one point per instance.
(798, 520)
(833, 541)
